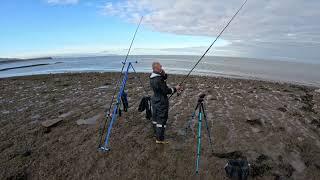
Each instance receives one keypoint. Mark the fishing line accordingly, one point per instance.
(211, 45)
(140, 81)
(118, 81)
(124, 63)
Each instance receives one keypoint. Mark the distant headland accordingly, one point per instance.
(9, 60)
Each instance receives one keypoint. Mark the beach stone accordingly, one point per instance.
(89, 121)
(296, 162)
(51, 122)
(35, 117)
(34, 122)
(102, 87)
(22, 109)
(317, 91)
(255, 130)
(282, 109)
(256, 121)
(66, 114)
(5, 112)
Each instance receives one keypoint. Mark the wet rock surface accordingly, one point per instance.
(274, 126)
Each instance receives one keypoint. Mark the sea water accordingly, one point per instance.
(285, 71)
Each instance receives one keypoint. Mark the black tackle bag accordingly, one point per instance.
(237, 169)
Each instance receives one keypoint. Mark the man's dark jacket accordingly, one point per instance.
(160, 102)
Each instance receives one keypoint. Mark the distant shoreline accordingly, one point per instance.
(12, 60)
(27, 66)
(20, 67)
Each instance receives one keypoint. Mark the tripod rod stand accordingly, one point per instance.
(201, 115)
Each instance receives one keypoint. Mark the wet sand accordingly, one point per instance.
(275, 126)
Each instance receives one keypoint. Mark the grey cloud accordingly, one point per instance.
(289, 25)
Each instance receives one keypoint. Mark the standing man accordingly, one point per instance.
(160, 101)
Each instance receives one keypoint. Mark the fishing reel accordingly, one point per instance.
(201, 97)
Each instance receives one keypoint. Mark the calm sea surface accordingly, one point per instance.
(297, 72)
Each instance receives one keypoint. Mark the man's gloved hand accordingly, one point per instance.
(179, 89)
(163, 73)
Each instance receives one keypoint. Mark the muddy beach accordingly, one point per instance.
(275, 126)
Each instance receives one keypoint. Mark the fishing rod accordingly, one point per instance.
(117, 84)
(125, 61)
(211, 45)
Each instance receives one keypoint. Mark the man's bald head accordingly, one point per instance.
(156, 67)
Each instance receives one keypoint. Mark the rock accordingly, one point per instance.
(256, 130)
(34, 122)
(51, 122)
(261, 166)
(5, 112)
(317, 91)
(35, 117)
(281, 128)
(260, 169)
(66, 114)
(89, 121)
(308, 101)
(282, 109)
(256, 121)
(26, 153)
(316, 123)
(102, 87)
(230, 155)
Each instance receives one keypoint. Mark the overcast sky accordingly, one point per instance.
(265, 28)
(284, 29)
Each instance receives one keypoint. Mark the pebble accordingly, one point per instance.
(5, 112)
(66, 114)
(89, 121)
(102, 87)
(35, 116)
